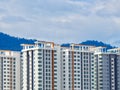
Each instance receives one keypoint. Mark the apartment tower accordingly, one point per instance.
(49, 66)
(41, 66)
(76, 67)
(107, 69)
(9, 70)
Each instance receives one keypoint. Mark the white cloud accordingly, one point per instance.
(61, 20)
(5, 25)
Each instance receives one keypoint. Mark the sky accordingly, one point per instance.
(61, 21)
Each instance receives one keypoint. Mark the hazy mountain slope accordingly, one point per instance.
(8, 42)
(92, 43)
(97, 43)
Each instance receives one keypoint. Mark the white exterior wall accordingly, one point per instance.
(77, 67)
(65, 70)
(17, 70)
(24, 72)
(58, 67)
(10, 70)
(82, 60)
(77, 70)
(93, 72)
(106, 75)
(43, 69)
(36, 79)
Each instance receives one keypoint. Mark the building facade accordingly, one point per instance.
(41, 66)
(76, 67)
(9, 70)
(49, 66)
(107, 69)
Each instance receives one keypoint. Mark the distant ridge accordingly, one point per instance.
(97, 43)
(92, 43)
(8, 42)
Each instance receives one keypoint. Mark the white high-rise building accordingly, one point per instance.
(41, 66)
(76, 67)
(9, 70)
(115, 68)
(107, 69)
(49, 66)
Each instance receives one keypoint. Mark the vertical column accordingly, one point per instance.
(53, 66)
(32, 70)
(1, 73)
(43, 69)
(81, 71)
(89, 72)
(72, 69)
(10, 73)
(28, 70)
(110, 70)
(97, 75)
(116, 72)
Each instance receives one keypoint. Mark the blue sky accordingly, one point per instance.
(61, 20)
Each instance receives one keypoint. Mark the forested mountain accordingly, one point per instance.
(92, 43)
(8, 42)
(97, 43)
